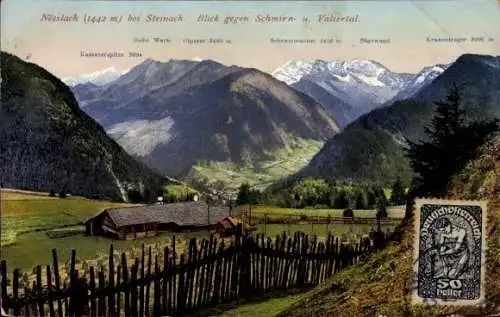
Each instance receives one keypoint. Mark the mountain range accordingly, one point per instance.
(351, 88)
(371, 148)
(180, 116)
(177, 114)
(99, 77)
(48, 143)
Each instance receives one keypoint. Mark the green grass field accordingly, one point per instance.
(396, 212)
(35, 248)
(33, 224)
(28, 218)
(351, 232)
(267, 308)
(27, 212)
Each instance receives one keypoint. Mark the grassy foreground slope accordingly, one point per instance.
(381, 285)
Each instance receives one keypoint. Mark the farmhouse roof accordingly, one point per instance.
(130, 216)
(195, 213)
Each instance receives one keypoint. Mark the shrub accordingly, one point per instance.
(135, 196)
(52, 193)
(62, 194)
(348, 213)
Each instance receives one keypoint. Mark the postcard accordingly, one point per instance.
(167, 158)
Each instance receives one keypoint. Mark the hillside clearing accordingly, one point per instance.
(287, 161)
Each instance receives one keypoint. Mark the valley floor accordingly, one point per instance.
(33, 224)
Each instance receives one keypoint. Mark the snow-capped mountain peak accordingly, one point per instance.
(292, 71)
(100, 77)
(347, 88)
(366, 72)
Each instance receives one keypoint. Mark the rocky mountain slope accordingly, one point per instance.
(177, 114)
(371, 148)
(48, 143)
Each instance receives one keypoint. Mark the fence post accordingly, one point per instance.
(78, 305)
(83, 308)
(57, 280)
(245, 248)
(3, 280)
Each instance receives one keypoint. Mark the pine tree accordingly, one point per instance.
(379, 193)
(398, 194)
(360, 200)
(243, 194)
(371, 198)
(451, 144)
(381, 206)
(341, 201)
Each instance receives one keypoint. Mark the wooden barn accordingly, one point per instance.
(147, 221)
(122, 223)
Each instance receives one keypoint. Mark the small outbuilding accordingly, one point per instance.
(229, 226)
(147, 221)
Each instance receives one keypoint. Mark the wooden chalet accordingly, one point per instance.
(148, 221)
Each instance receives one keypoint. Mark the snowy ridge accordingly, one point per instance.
(100, 77)
(424, 77)
(292, 71)
(356, 70)
(356, 86)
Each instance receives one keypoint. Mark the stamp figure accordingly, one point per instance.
(449, 252)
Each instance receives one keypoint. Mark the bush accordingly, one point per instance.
(52, 193)
(348, 213)
(62, 194)
(135, 196)
(378, 238)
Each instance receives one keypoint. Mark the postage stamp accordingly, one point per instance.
(449, 252)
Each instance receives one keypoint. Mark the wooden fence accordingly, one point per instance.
(208, 274)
